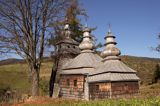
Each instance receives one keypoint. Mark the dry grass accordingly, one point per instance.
(15, 76)
(44, 101)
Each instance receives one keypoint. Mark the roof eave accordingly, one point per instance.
(103, 81)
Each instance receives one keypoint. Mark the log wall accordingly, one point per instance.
(112, 89)
(124, 88)
(68, 89)
(99, 90)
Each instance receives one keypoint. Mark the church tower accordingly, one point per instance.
(67, 48)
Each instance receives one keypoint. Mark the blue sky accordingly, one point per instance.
(135, 23)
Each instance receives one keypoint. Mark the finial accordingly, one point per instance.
(86, 25)
(66, 27)
(109, 26)
(66, 19)
(67, 30)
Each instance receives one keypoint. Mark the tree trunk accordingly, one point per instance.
(51, 82)
(53, 75)
(35, 82)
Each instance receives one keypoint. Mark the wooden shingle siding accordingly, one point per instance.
(99, 90)
(122, 88)
(112, 89)
(72, 91)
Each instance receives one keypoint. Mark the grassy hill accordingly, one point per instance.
(11, 61)
(15, 76)
(144, 66)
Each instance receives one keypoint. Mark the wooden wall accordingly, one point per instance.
(112, 89)
(96, 90)
(99, 90)
(72, 91)
(124, 88)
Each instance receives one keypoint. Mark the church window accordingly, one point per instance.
(75, 83)
(68, 82)
(97, 88)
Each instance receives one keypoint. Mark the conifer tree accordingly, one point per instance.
(156, 75)
(72, 17)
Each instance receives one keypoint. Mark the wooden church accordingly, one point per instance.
(89, 76)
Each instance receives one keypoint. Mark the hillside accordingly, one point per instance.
(144, 66)
(15, 76)
(15, 61)
(11, 61)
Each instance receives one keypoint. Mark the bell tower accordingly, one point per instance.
(67, 48)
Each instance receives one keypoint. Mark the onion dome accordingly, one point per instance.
(111, 51)
(112, 68)
(87, 60)
(86, 45)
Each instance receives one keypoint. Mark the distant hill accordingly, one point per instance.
(140, 58)
(11, 61)
(15, 61)
(144, 66)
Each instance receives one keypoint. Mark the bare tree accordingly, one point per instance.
(25, 28)
(73, 17)
(158, 46)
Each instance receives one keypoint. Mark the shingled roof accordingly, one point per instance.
(69, 41)
(113, 66)
(113, 77)
(86, 60)
(112, 69)
(78, 71)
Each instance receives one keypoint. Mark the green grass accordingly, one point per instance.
(107, 102)
(148, 96)
(15, 77)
